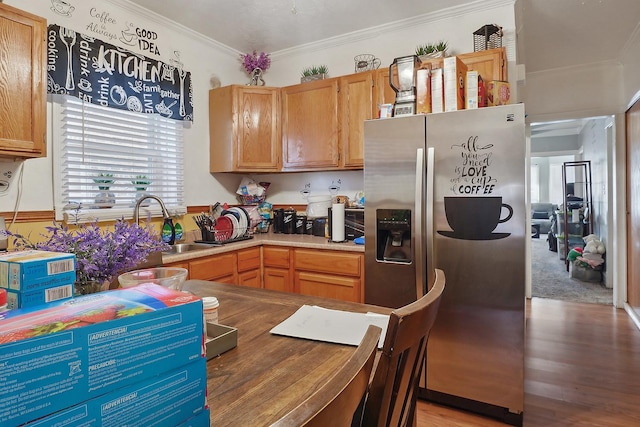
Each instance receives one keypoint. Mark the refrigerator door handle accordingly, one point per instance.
(420, 261)
(430, 214)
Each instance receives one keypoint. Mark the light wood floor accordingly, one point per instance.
(582, 368)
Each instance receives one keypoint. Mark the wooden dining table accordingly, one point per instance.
(265, 375)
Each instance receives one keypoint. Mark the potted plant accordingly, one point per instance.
(141, 183)
(315, 72)
(105, 198)
(432, 50)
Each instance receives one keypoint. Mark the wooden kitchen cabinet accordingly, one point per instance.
(310, 125)
(331, 274)
(356, 105)
(244, 129)
(277, 267)
(249, 267)
(22, 84)
(323, 122)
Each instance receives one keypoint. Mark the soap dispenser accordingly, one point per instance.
(179, 231)
(168, 231)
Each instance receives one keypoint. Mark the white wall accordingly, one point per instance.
(575, 92)
(204, 58)
(594, 149)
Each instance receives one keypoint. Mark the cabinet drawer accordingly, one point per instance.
(276, 257)
(347, 264)
(213, 267)
(322, 285)
(248, 259)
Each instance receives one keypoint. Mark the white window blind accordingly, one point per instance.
(139, 153)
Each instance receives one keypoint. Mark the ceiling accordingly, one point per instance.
(556, 33)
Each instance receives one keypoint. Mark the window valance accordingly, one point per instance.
(107, 75)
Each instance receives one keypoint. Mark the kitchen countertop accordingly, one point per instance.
(272, 239)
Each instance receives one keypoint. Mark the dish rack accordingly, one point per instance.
(232, 225)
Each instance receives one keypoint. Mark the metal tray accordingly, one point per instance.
(220, 338)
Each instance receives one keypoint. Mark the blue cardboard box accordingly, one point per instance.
(32, 270)
(163, 400)
(18, 299)
(61, 354)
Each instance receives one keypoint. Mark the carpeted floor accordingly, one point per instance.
(550, 279)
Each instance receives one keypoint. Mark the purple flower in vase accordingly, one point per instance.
(251, 61)
(101, 254)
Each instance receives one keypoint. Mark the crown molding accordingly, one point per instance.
(372, 32)
(168, 23)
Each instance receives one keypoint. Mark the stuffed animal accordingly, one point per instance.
(593, 244)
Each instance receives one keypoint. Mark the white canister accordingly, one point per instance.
(210, 309)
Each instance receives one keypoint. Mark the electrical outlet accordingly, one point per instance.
(8, 171)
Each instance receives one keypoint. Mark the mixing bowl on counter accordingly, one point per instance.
(169, 277)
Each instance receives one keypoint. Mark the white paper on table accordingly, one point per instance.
(337, 326)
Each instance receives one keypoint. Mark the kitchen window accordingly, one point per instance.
(105, 158)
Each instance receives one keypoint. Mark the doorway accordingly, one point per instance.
(552, 144)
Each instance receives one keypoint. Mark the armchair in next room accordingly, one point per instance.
(542, 213)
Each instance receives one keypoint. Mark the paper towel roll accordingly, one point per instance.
(337, 222)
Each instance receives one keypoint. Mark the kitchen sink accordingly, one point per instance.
(181, 248)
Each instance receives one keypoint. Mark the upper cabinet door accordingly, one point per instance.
(22, 84)
(258, 128)
(244, 129)
(310, 125)
(356, 106)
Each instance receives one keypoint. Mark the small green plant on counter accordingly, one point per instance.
(141, 182)
(104, 181)
(315, 70)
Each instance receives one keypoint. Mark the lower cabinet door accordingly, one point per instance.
(249, 278)
(329, 286)
(277, 279)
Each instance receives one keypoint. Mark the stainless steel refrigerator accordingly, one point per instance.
(447, 191)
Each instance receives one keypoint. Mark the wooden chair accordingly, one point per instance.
(393, 391)
(335, 403)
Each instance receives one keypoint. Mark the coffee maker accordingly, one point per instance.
(402, 79)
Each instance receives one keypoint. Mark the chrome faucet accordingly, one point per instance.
(168, 229)
(136, 210)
